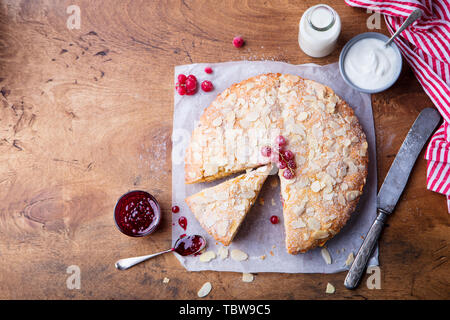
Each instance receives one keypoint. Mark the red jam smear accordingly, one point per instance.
(189, 245)
(137, 213)
(183, 222)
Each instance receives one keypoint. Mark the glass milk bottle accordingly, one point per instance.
(319, 30)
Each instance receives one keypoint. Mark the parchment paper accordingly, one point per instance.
(257, 236)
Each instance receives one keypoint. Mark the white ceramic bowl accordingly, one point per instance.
(374, 35)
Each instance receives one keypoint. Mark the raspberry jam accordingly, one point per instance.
(137, 213)
(188, 245)
(183, 222)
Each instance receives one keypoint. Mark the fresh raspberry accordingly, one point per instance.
(266, 151)
(207, 86)
(181, 78)
(291, 164)
(274, 219)
(238, 41)
(175, 209)
(280, 141)
(288, 155)
(181, 90)
(191, 84)
(208, 70)
(288, 174)
(282, 164)
(192, 77)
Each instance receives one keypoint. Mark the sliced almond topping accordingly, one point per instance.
(352, 168)
(328, 196)
(363, 150)
(346, 151)
(350, 259)
(207, 256)
(204, 290)
(313, 223)
(297, 224)
(347, 142)
(252, 116)
(166, 280)
(330, 288)
(321, 234)
(217, 121)
(340, 132)
(331, 106)
(341, 200)
(326, 255)
(302, 116)
(352, 195)
(299, 209)
(210, 169)
(315, 186)
(247, 277)
(310, 211)
(223, 253)
(238, 255)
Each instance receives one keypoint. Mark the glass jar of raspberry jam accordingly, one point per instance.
(137, 213)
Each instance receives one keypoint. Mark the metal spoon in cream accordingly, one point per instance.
(370, 65)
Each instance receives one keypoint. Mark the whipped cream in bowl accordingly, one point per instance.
(368, 65)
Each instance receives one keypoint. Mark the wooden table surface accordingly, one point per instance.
(86, 115)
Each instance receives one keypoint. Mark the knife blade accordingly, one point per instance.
(393, 187)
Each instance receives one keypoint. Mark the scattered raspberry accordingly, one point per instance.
(274, 219)
(181, 90)
(191, 84)
(238, 42)
(192, 77)
(208, 70)
(207, 86)
(282, 164)
(175, 209)
(186, 85)
(266, 151)
(181, 78)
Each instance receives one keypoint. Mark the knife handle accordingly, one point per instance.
(359, 264)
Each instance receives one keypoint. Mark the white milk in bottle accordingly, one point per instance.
(319, 30)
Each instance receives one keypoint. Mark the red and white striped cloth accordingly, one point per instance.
(426, 47)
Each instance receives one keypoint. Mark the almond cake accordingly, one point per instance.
(222, 208)
(330, 148)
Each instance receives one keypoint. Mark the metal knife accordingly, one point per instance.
(392, 188)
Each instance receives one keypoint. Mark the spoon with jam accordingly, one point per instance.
(184, 246)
